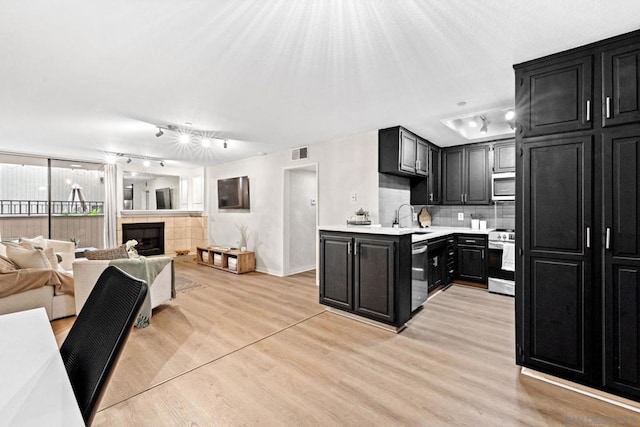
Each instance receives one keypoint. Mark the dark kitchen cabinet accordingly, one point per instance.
(472, 262)
(466, 175)
(621, 85)
(622, 258)
(555, 97)
(369, 275)
(336, 283)
(577, 210)
(426, 191)
(374, 278)
(434, 175)
(452, 176)
(557, 262)
(401, 152)
(504, 156)
(477, 177)
(451, 259)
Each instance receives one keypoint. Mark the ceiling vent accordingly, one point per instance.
(300, 153)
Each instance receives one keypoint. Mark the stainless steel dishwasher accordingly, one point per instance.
(419, 274)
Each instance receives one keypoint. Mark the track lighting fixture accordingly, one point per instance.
(162, 163)
(187, 134)
(129, 160)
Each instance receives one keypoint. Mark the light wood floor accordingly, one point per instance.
(259, 350)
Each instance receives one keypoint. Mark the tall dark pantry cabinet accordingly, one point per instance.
(578, 215)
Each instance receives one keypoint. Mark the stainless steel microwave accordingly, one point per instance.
(503, 186)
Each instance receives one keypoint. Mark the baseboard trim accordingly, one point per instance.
(369, 322)
(582, 389)
(301, 270)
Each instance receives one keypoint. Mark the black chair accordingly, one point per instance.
(97, 337)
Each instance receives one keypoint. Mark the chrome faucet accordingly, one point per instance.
(413, 212)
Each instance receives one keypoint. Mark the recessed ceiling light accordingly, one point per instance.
(134, 173)
(146, 163)
(473, 122)
(188, 123)
(510, 115)
(205, 141)
(184, 138)
(73, 165)
(110, 159)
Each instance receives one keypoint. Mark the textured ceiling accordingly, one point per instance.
(78, 78)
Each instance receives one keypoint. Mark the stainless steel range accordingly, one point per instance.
(502, 261)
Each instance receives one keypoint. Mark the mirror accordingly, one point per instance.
(149, 191)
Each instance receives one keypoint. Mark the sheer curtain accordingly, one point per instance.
(110, 206)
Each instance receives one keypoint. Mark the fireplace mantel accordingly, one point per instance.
(159, 212)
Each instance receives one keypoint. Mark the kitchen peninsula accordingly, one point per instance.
(366, 270)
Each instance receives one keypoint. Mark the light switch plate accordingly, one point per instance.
(460, 216)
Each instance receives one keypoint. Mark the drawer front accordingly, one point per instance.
(472, 240)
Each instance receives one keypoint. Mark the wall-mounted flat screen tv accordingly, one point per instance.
(233, 193)
(163, 198)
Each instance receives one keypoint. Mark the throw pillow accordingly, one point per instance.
(6, 265)
(119, 252)
(36, 241)
(27, 258)
(52, 257)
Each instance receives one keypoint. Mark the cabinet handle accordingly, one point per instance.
(483, 254)
(349, 248)
(431, 197)
(461, 198)
(607, 106)
(588, 110)
(588, 237)
(355, 249)
(607, 240)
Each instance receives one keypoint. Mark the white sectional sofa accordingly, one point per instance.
(57, 306)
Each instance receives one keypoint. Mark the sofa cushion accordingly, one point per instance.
(6, 265)
(36, 242)
(119, 252)
(27, 258)
(3, 250)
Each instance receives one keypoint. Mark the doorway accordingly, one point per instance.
(300, 218)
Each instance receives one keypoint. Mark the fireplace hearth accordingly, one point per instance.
(150, 237)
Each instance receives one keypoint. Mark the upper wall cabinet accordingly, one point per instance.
(466, 175)
(621, 85)
(402, 153)
(504, 156)
(555, 97)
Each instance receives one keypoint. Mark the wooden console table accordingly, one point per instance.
(226, 259)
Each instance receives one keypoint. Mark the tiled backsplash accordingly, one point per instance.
(500, 215)
(393, 191)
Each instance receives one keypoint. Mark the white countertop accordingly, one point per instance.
(35, 390)
(431, 232)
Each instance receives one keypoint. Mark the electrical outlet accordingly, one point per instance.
(415, 216)
(460, 216)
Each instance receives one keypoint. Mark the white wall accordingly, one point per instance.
(346, 166)
(300, 219)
